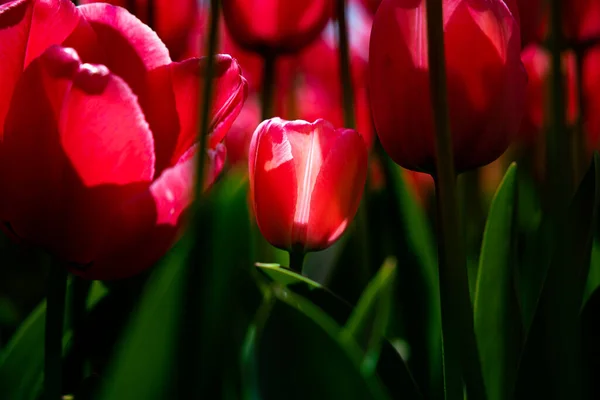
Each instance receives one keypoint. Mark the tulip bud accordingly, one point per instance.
(276, 26)
(306, 181)
(485, 77)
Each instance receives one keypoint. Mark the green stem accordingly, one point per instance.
(578, 137)
(207, 94)
(53, 338)
(345, 69)
(350, 122)
(460, 347)
(558, 154)
(78, 300)
(297, 260)
(268, 89)
(196, 378)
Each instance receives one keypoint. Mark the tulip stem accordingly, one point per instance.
(345, 69)
(578, 137)
(350, 122)
(268, 89)
(194, 378)
(53, 336)
(460, 347)
(297, 260)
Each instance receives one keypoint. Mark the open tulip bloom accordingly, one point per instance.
(98, 134)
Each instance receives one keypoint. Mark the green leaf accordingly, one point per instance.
(143, 364)
(416, 317)
(194, 311)
(286, 276)
(332, 304)
(368, 322)
(301, 352)
(22, 360)
(497, 322)
(390, 367)
(551, 362)
(593, 280)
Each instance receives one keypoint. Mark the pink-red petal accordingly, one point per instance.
(230, 90)
(87, 150)
(27, 28)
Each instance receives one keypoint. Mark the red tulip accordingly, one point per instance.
(531, 13)
(98, 134)
(318, 90)
(173, 22)
(537, 63)
(486, 81)
(581, 19)
(306, 181)
(276, 26)
(591, 92)
(371, 5)
(238, 139)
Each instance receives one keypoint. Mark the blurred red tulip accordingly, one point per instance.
(306, 181)
(173, 22)
(591, 93)
(318, 89)
(531, 13)
(98, 134)
(537, 63)
(276, 26)
(581, 19)
(238, 139)
(486, 81)
(371, 5)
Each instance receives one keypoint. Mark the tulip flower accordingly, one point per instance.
(537, 63)
(581, 19)
(306, 181)
(276, 26)
(172, 22)
(591, 94)
(531, 13)
(486, 81)
(371, 5)
(98, 139)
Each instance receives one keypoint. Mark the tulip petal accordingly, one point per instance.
(27, 28)
(337, 190)
(131, 50)
(149, 223)
(273, 182)
(87, 150)
(230, 90)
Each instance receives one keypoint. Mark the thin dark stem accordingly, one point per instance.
(195, 378)
(297, 260)
(55, 317)
(268, 89)
(460, 347)
(78, 300)
(350, 122)
(558, 155)
(345, 68)
(578, 137)
(150, 14)
(207, 93)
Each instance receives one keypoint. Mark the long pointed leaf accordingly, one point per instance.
(368, 322)
(497, 322)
